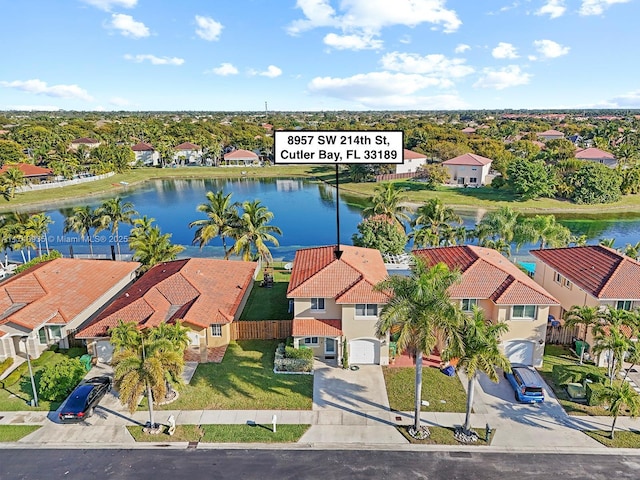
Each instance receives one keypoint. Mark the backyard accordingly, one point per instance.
(269, 303)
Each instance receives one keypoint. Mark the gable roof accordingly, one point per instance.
(593, 153)
(58, 290)
(551, 133)
(468, 159)
(241, 155)
(411, 155)
(600, 271)
(306, 327)
(486, 274)
(27, 169)
(198, 291)
(85, 141)
(142, 147)
(317, 273)
(468, 130)
(188, 146)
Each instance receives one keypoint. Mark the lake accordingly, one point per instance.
(303, 209)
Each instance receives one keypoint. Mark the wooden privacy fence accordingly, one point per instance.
(563, 335)
(394, 176)
(261, 329)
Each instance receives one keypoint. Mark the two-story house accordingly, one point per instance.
(334, 301)
(505, 294)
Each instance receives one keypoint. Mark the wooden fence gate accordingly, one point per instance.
(261, 329)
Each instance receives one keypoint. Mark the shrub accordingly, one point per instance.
(300, 353)
(42, 258)
(593, 391)
(59, 380)
(345, 354)
(54, 348)
(5, 365)
(564, 374)
(498, 182)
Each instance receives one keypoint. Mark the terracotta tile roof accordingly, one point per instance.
(550, 133)
(199, 291)
(468, 159)
(27, 169)
(85, 140)
(486, 274)
(240, 155)
(188, 146)
(59, 290)
(600, 271)
(468, 130)
(142, 147)
(307, 327)
(411, 155)
(317, 273)
(593, 154)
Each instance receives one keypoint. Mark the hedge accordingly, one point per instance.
(593, 391)
(284, 363)
(565, 374)
(5, 365)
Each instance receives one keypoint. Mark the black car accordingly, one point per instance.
(84, 399)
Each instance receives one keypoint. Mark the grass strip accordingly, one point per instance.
(13, 433)
(444, 436)
(244, 433)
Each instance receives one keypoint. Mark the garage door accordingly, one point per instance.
(364, 352)
(104, 351)
(519, 351)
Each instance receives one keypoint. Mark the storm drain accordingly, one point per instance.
(192, 445)
(459, 454)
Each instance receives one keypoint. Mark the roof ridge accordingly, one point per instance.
(621, 261)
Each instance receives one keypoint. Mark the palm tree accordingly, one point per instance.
(38, 224)
(615, 342)
(13, 178)
(632, 251)
(222, 217)
(420, 310)
(146, 369)
(22, 235)
(481, 341)
(498, 224)
(173, 332)
(82, 221)
(150, 246)
(387, 200)
(633, 357)
(112, 213)
(253, 231)
(544, 229)
(125, 335)
(585, 315)
(607, 242)
(436, 217)
(618, 396)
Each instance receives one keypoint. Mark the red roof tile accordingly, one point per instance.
(551, 133)
(199, 291)
(306, 327)
(240, 155)
(486, 274)
(85, 141)
(142, 147)
(600, 271)
(188, 146)
(58, 290)
(317, 273)
(411, 155)
(468, 159)
(468, 130)
(593, 154)
(27, 169)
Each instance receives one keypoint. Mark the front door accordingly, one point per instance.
(329, 348)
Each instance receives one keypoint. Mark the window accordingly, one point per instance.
(216, 330)
(311, 341)
(366, 310)
(567, 283)
(317, 304)
(524, 311)
(468, 304)
(55, 332)
(42, 335)
(473, 180)
(624, 305)
(557, 278)
(461, 181)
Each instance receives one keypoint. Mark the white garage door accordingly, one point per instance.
(194, 339)
(104, 351)
(364, 352)
(519, 351)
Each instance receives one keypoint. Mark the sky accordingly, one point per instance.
(318, 55)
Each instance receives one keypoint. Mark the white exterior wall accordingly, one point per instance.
(355, 328)
(479, 172)
(410, 165)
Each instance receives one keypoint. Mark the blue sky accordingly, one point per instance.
(318, 54)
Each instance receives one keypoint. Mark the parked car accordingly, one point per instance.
(526, 384)
(84, 399)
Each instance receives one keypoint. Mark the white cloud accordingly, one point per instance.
(505, 50)
(352, 42)
(553, 8)
(225, 69)
(373, 15)
(550, 49)
(272, 72)
(128, 27)
(506, 77)
(434, 64)
(413, 102)
(406, 39)
(597, 7)
(107, 5)
(155, 60)
(39, 87)
(208, 28)
(462, 47)
(119, 102)
(627, 100)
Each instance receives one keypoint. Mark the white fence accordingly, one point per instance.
(45, 186)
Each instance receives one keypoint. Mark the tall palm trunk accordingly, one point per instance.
(152, 420)
(46, 243)
(471, 390)
(418, 396)
(118, 244)
(90, 246)
(613, 426)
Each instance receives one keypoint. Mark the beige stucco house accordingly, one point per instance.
(206, 294)
(146, 154)
(505, 294)
(411, 162)
(468, 170)
(334, 301)
(46, 303)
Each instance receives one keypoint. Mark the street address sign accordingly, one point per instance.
(335, 147)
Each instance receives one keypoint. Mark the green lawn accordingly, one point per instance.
(559, 355)
(622, 439)
(245, 381)
(13, 433)
(15, 391)
(444, 436)
(225, 434)
(269, 303)
(444, 394)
